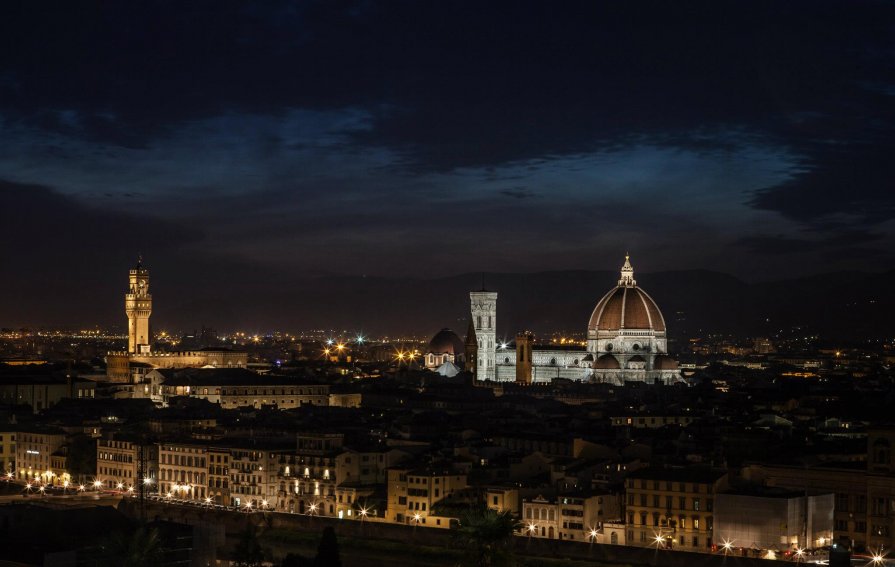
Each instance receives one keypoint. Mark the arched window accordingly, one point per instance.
(613, 538)
(553, 361)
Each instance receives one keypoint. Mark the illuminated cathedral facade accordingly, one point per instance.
(626, 341)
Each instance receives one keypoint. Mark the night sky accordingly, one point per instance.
(238, 143)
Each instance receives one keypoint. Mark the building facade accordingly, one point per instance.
(34, 451)
(121, 462)
(626, 341)
(413, 493)
(129, 366)
(672, 508)
(483, 306)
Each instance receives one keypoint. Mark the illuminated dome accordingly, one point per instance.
(445, 348)
(626, 336)
(446, 341)
(626, 307)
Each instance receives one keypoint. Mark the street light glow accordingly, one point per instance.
(532, 528)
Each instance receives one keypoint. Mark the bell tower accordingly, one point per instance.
(483, 307)
(138, 306)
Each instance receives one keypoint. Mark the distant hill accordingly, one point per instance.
(841, 305)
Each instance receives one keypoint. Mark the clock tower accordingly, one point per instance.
(138, 306)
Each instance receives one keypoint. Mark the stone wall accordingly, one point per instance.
(234, 523)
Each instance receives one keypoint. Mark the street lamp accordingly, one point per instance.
(727, 546)
(97, 484)
(879, 557)
(799, 553)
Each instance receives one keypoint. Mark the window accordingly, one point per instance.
(696, 504)
(842, 502)
(841, 525)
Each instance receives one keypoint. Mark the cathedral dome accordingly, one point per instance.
(446, 341)
(626, 307)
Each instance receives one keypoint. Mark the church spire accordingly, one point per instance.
(627, 277)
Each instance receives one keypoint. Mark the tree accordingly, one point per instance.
(487, 537)
(328, 550)
(141, 548)
(248, 552)
(81, 457)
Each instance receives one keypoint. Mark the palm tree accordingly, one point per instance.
(142, 548)
(487, 536)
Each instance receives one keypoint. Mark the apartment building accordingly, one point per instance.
(34, 450)
(864, 505)
(672, 508)
(7, 452)
(119, 460)
(412, 493)
(183, 470)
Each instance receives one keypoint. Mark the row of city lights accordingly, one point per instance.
(727, 546)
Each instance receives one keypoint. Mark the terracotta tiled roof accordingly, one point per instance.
(626, 307)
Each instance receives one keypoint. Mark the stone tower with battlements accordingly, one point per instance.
(138, 306)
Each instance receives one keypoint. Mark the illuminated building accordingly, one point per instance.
(7, 451)
(138, 306)
(626, 341)
(483, 305)
(118, 462)
(34, 450)
(445, 350)
(672, 508)
(412, 494)
(132, 365)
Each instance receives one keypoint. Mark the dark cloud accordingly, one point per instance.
(845, 241)
(518, 193)
(332, 137)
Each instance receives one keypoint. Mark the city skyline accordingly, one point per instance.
(447, 283)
